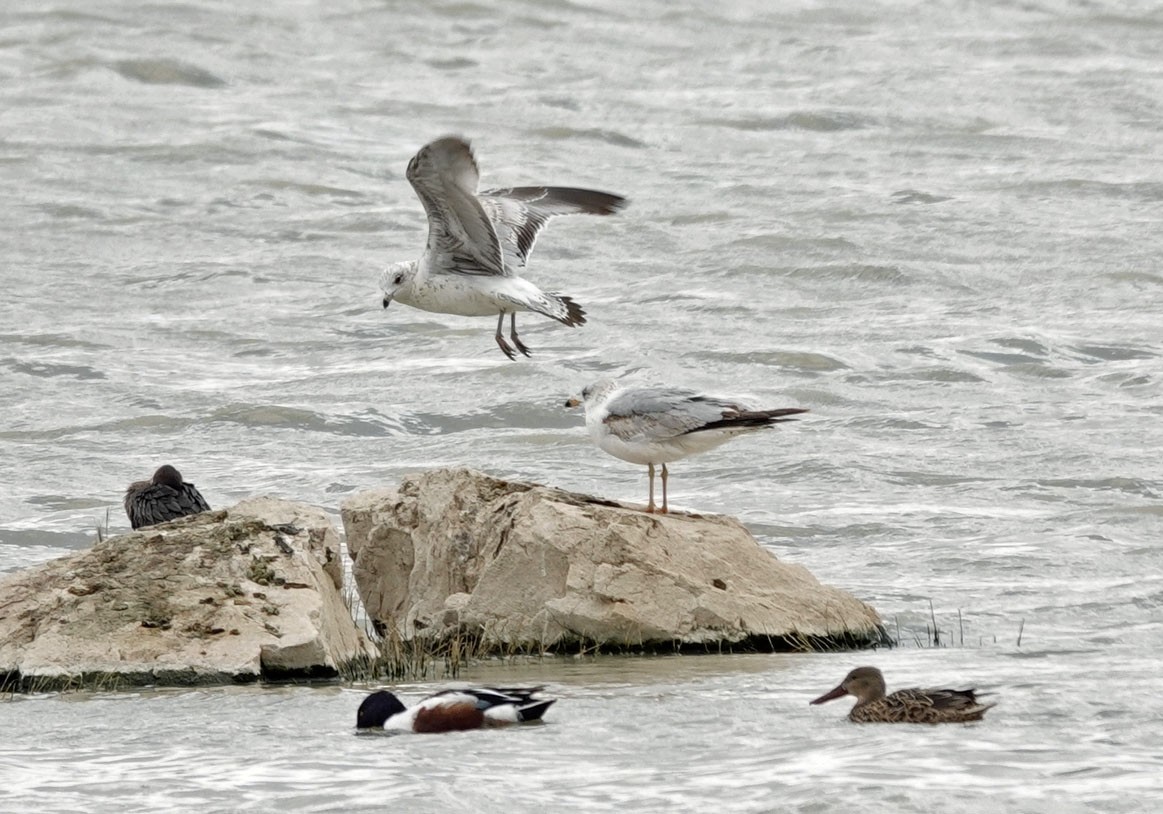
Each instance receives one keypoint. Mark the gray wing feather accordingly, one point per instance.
(519, 213)
(658, 414)
(493, 233)
(445, 177)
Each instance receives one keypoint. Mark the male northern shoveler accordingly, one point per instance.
(165, 497)
(911, 706)
(453, 710)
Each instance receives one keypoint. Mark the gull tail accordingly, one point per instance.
(556, 306)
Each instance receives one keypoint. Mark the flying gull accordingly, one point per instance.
(478, 243)
(165, 497)
(654, 425)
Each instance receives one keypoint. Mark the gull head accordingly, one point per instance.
(395, 277)
(591, 394)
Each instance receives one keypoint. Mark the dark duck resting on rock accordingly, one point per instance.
(165, 497)
(452, 710)
(478, 243)
(910, 706)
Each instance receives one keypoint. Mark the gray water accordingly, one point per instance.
(936, 225)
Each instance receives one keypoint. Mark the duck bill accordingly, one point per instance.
(839, 692)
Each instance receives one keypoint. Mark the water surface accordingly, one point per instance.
(935, 225)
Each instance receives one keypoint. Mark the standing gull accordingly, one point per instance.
(478, 242)
(165, 497)
(654, 425)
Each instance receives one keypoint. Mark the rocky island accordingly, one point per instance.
(256, 592)
(527, 568)
(247, 594)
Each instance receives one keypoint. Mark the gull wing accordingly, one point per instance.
(518, 213)
(657, 414)
(460, 233)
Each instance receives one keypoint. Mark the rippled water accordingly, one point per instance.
(936, 225)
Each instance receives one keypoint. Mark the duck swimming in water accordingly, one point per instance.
(910, 706)
(452, 710)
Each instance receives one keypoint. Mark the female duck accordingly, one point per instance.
(911, 706)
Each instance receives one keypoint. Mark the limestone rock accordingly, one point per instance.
(238, 595)
(526, 566)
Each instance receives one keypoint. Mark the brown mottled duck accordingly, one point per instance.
(911, 706)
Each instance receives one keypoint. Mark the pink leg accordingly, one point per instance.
(665, 510)
(513, 335)
(501, 343)
(650, 505)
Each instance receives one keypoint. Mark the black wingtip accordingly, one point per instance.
(618, 205)
(755, 418)
(777, 416)
(590, 201)
(606, 203)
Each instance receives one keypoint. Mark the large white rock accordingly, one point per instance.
(530, 567)
(238, 595)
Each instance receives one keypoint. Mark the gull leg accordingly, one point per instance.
(665, 510)
(513, 335)
(504, 346)
(650, 505)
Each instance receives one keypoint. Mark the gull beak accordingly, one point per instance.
(387, 301)
(574, 401)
